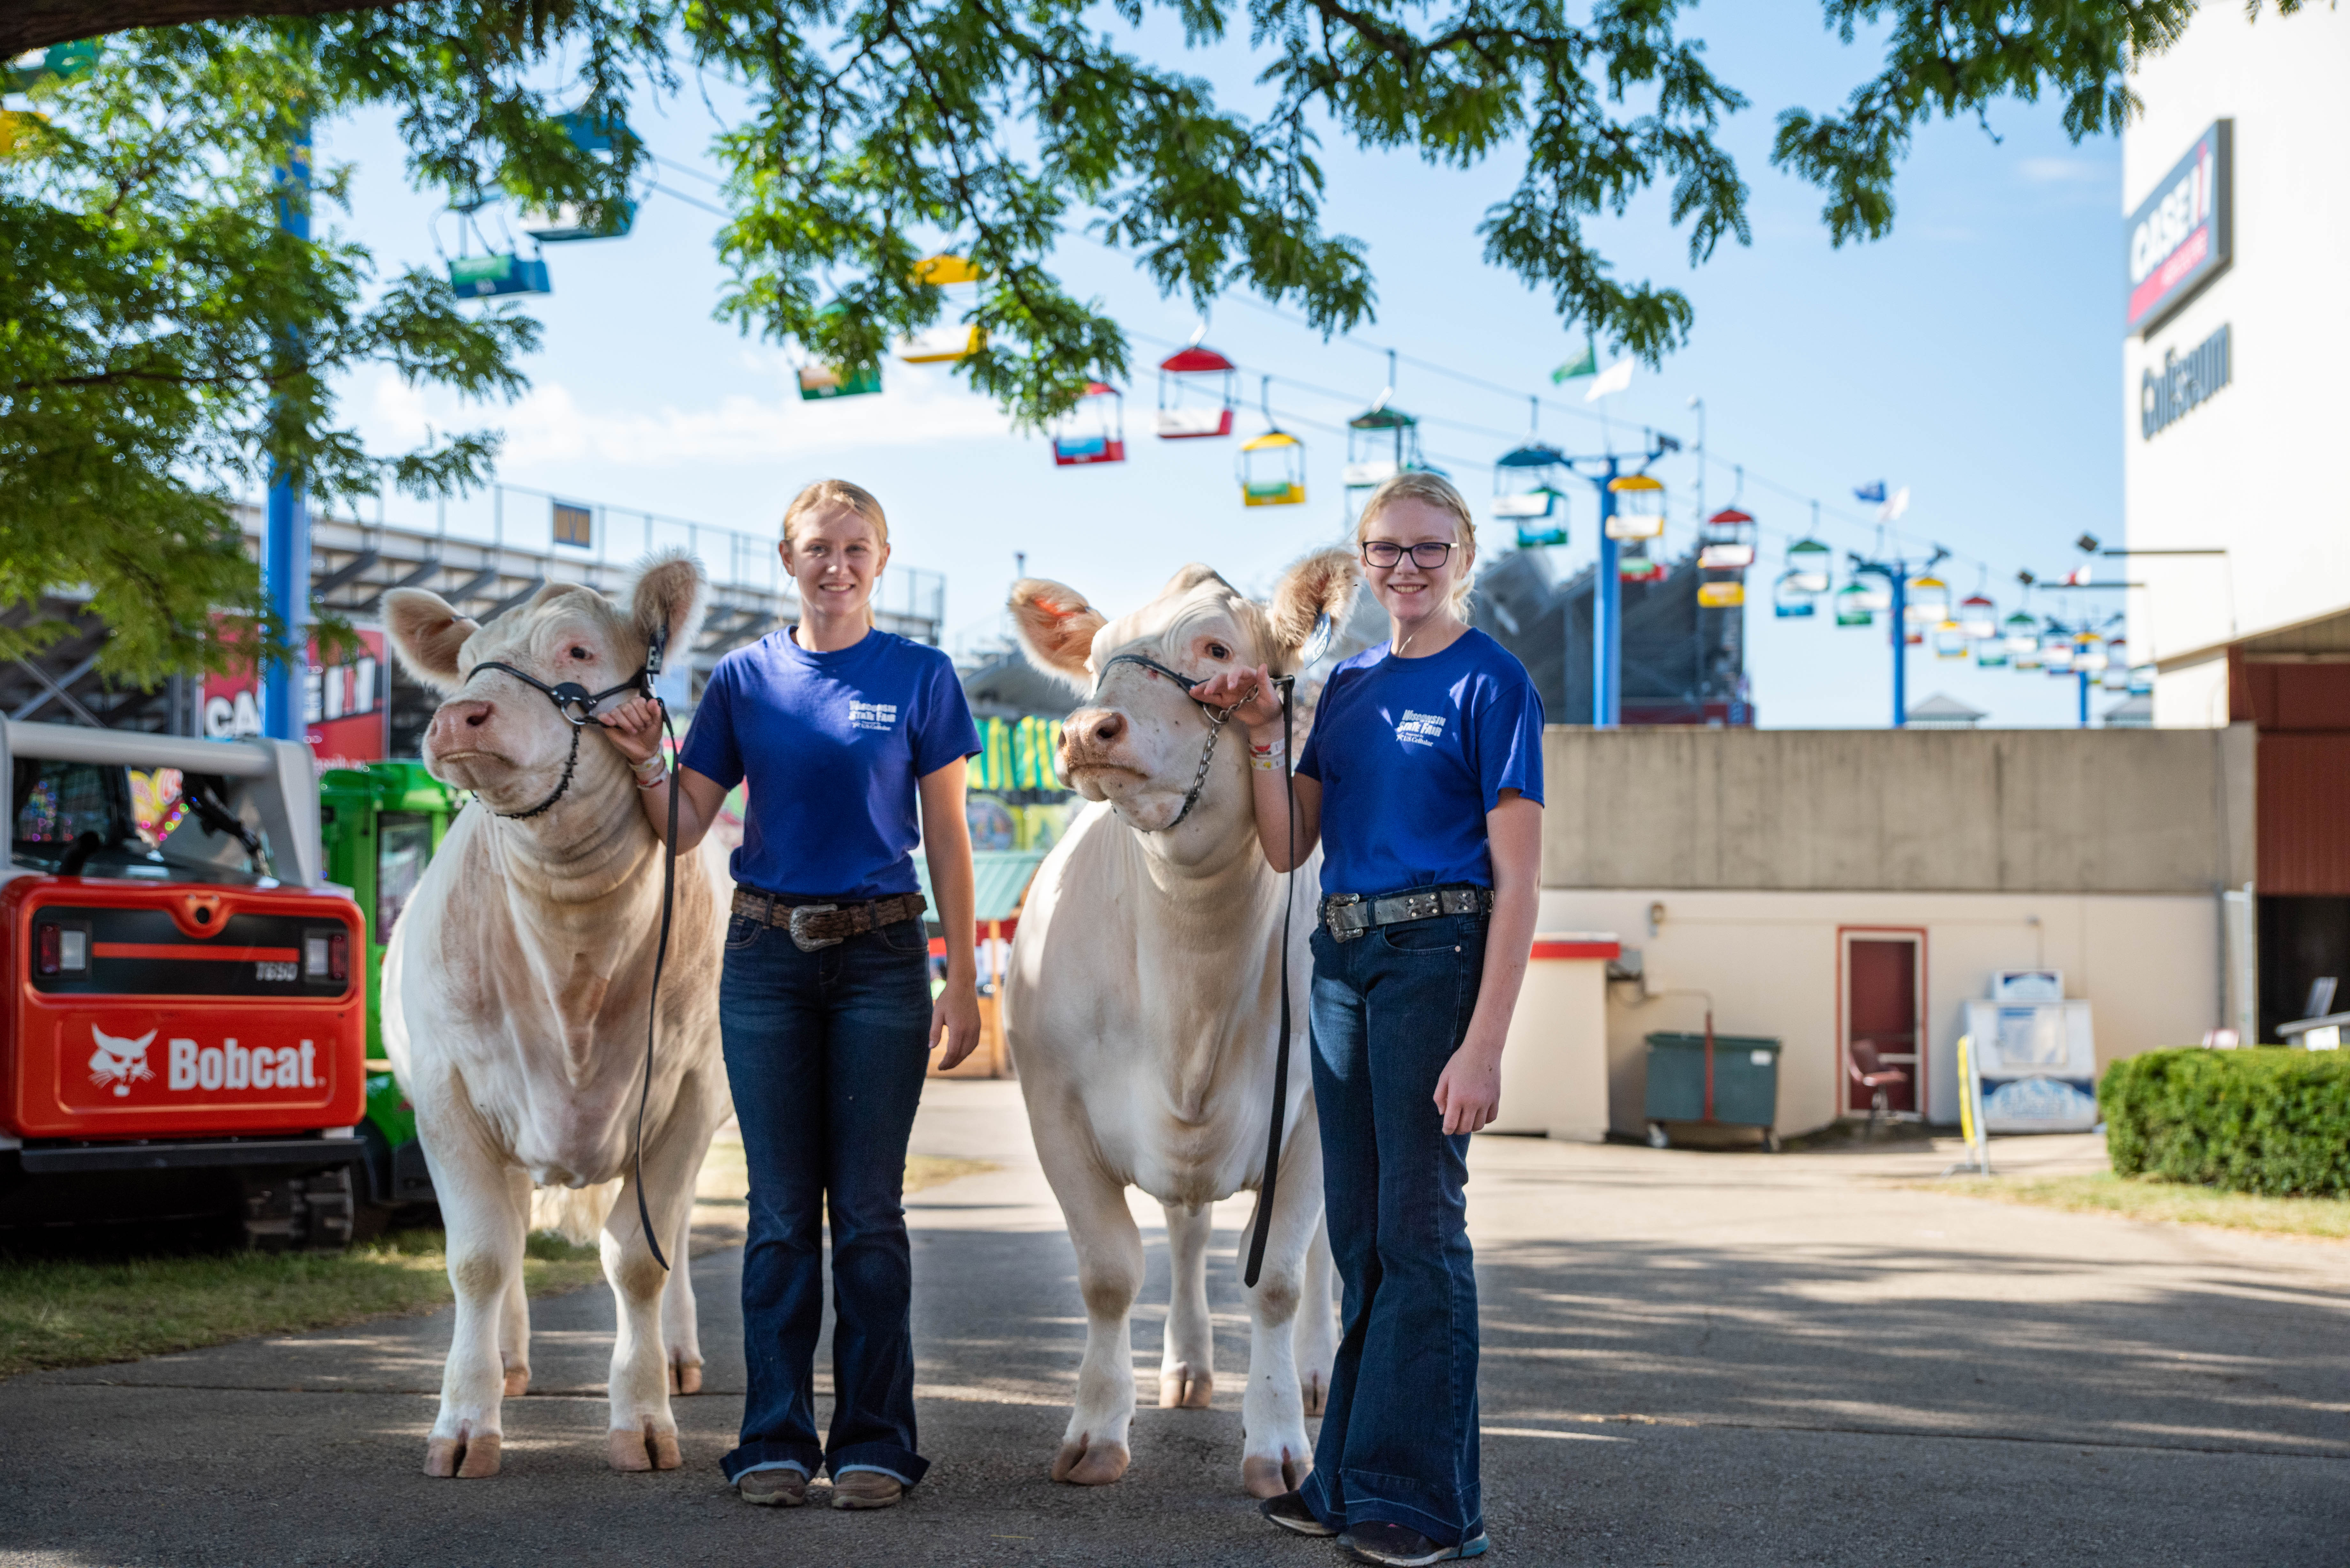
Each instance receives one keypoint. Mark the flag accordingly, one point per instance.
(1873, 491)
(1613, 379)
(1587, 364)
(1895, 507)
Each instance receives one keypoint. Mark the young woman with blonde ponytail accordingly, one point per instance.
(845, 733)
(1423, 781)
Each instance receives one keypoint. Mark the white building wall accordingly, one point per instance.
(2251, 470)
(2149, 965)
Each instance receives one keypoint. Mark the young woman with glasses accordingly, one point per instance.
(844, 733)
(1423, 781)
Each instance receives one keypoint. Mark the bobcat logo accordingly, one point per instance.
(119, 1062)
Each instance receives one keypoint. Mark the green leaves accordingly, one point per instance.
(151, 373)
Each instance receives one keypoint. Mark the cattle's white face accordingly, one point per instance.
(1136, 740)
(500, 736)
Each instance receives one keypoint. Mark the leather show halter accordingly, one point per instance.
(579, 708)
(1217, 719)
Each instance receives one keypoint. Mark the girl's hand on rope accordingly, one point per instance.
(1251, 694)
(634, 727)
(1469, 1092)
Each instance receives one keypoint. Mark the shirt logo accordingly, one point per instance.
(1420, 729)
(872, 715)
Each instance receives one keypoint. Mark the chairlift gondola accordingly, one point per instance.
(1926, 601)
(1381, 442)
(1273, 466)
(1529, 484)
(1635, 564)
(1094, 430)
(956, 337)
(2089, 653)
(1808, 561)
(2141, 680)
(2056, 651)
(2118, 665)
(1196, 390)
(1978, 615)
(1950, 640)
(1791, 599)
(494, 271)
(1639, 507)
(1728, 543)
(568, 221)
(1725, 594)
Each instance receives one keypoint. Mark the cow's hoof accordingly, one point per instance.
(685, 1377)
(1315, 1388)
(517, 1382)
(642, 1451)
(467, 1458)
(1087, 1463)
(1265, 1476)
(1180, 1387)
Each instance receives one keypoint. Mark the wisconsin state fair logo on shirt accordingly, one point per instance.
(872, 715)
(1420, 729)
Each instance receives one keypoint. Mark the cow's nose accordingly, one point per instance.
(1101, 727)
(454, 719)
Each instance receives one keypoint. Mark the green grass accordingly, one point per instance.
(69, 1312)
(2144, 1198)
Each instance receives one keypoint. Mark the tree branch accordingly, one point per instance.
(38, 24)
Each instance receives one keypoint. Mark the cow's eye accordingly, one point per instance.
(578, 652)
(1218, 651)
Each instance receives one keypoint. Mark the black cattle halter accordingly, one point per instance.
(579, 708)
(1217, 719)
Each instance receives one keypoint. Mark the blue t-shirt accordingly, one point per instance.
(1412, 753)
(832, 745)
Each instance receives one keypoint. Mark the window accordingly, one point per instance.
(574, 524)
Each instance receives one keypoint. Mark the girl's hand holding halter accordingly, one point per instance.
(1251, 695)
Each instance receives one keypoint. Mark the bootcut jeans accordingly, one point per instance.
(826, 1051)
(1399, 1434)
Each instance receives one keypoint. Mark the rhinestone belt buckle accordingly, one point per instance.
(803, 915)
(1340, 912)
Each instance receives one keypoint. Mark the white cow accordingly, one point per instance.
(1142, 1009)
(516, 994)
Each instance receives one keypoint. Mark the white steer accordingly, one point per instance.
(515, 992)
(1142, 1008)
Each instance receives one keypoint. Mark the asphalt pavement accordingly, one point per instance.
(1690, 1359)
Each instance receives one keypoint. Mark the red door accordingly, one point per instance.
(1881, 1011)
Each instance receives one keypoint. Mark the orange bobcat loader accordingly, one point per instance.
(183, 1020)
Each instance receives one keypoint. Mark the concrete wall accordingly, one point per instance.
(2148, 965)
(2008, 811)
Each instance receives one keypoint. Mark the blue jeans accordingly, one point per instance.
(1400, 1436)
(826, 1051)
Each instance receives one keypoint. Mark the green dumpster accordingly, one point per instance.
(381, 825)
(1720, 1080)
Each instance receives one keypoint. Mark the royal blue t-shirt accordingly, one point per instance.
(1412, 753)
(833, 744)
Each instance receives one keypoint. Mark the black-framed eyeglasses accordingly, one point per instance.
(1426, 556)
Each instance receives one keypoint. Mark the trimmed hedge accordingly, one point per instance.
(2258, 1120)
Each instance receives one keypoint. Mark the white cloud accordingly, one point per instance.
(2064, 170)
(918, 405)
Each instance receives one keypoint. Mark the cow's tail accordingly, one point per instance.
(574, 1213)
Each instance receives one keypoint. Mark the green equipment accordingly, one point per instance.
(381, 825)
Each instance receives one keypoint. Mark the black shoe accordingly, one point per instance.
(1400, 1546)
(1289, 1512)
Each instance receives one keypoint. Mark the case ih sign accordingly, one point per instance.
(2180, 235)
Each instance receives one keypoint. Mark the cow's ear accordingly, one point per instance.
(1056, 629)
(429, 634)
(667, 597)
(1324, 583)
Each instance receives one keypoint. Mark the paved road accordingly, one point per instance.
(1690, 1359)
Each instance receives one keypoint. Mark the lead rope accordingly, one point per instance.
(1263, 1225)
(652, 1013)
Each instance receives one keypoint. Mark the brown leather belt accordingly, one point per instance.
(815, 926)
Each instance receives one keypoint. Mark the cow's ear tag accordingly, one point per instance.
(1317, 642)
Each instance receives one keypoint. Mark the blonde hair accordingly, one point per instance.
(827, 492)
(1429, 488)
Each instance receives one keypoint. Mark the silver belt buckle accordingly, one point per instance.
(1343, 901)
(800, 939)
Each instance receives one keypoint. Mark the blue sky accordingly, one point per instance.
(1970, 358)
